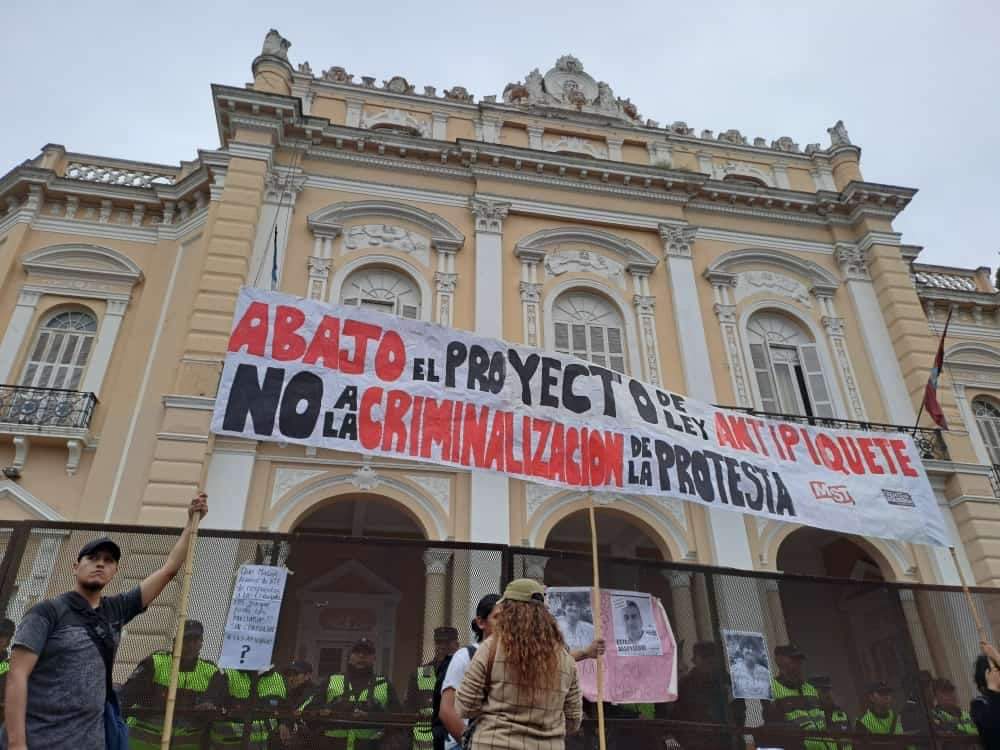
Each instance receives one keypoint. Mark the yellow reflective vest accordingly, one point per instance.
(145, 731)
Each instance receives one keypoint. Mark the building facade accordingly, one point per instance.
(759, 275)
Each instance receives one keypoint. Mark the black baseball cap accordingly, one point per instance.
(445, 633)
(363, 644)
(789, 649)
(879, 686)
(101, 543)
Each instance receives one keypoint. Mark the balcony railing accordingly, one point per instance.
(995, 480)
(38, 408)
(929, 441)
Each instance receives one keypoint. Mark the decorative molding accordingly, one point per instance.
(192, 403)
(853, 261)
(29, 502)
(396, 118)
(489, 214)
(543, 242)
(749, 283)
(536, 494)
(730, 262)
(22, 444)
(834, 328)
(387, 236)
(573, 144)
(436, 561)
(438, 488)
(286, 479)
(583, 261)
(677, 240)
(74, 449)
(365, 478)
(331, 220)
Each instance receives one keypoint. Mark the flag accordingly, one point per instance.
(930, 390)
(274, 261)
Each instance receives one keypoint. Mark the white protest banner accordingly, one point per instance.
(346, 378)
(248, 640)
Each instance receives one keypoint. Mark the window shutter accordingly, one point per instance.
(819, 392)
(562, 338)
(616, 349)
(410, 311)
(765, 383)
(350, 301)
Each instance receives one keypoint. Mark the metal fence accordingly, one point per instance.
(395, 592)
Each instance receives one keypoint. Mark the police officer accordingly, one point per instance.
(420, 691)
(242, 692)
(837, 719)
(147, 688)
(879, 717)
(6, 633)
(794, 701)
(947, 715)
(358, 693)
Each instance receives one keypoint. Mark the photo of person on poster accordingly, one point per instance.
(636, 633)
(748, 664)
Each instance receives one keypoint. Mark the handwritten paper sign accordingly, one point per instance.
(248, 642)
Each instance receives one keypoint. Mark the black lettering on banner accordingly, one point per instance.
(665, 458)
(576, 404)
(348, 399)
(548, 380)
(716, 461)
(525, 370)
(248, 396)
(644, 405)
(607, 378)
(733, 480)
(454, 358)
(702, 476)
(486, 372)
(294, 422)
(785, 505)
(755, 501)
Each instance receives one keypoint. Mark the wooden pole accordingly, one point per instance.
(598, 628)
(182, 608)
(983, 636)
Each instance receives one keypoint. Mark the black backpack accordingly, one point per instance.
(437, 728)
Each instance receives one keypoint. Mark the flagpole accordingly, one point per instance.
(598, 627)
(980, 628)
(923, 401)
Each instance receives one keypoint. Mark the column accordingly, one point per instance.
(17, 330)
(353, 116)
(104, 346)
(660, 154)
(881, 355)
(970, 424)
(535, 137)
(489, 514)
(781, 176)
(916, 628)
(531, 294)
(230, 469)
(615, 148)
(320, 264)
(645, 313)
(435, 571)
(281, 191)
(776, 612)
(729, 535)
(445, 279)
(725, 312)
(834, 327)
(684, 622)
(702, 609)
(439, 126)
(534, 567)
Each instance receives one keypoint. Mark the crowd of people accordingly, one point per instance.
(514, 686)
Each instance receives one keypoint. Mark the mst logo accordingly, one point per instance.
(902, 499)
(836, 492)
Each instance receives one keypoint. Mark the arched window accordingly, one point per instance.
(61, 351)
(987, 415)
(382, 289)
(787, 367)
(588, 326)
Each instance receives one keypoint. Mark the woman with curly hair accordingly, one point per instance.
(521, 689)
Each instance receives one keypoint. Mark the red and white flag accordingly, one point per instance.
(931, 403)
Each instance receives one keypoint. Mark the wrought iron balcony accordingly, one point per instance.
(40, 408)
(929, 441)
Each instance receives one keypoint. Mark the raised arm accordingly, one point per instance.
(22, 662)
(154, 584)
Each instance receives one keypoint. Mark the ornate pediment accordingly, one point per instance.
(568, 86)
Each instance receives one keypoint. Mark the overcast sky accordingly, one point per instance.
(915, 82)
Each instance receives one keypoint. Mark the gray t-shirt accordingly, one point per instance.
(66, 689)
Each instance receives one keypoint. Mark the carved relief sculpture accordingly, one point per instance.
(275, 45)
(387, 236)
(838, 134)
(584, 261)
(754, 282)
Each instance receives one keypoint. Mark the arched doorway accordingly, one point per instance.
(855, 631)
(357, 574)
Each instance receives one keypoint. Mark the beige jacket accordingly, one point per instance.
(510, 717)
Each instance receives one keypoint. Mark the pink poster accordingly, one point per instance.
(640, 664)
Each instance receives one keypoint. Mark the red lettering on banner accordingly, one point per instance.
(899, 448)
(594, 460)
(865, 444)
(756, 424)
(251, 331)
(369, 431)
(397, 405)
(807, 439)
(573, 474)
(790, 437)
(416, 424)
(526, 445)
(287, 344)
(883, 445)
(495, 447)
(557, 454)
(741, 434)
(325, 344)
(838, 493)
(849, 448)
(513, 465)
(474, 436)
(362, 333)
(830, 453)
(436, 428)
(614, 453)
(723, 435)
(390, 357)
(541, 427)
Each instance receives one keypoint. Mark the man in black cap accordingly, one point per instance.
(147, 688)
(358, 693)
(420, 691)
(837, 719)
(56, 686)
(879, 717)
(794, 702)
(948, 716)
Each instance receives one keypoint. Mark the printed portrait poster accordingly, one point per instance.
(635, 628)
(749, 667)
(627, 679)
(573, 611)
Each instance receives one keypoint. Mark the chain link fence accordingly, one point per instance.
(395, 592)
